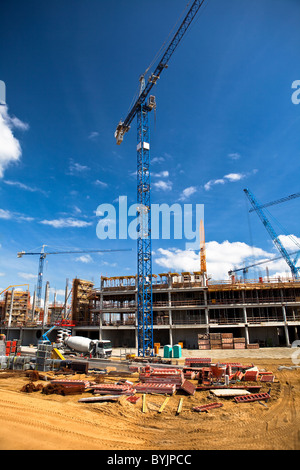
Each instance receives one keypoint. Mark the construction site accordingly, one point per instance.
(166, 361)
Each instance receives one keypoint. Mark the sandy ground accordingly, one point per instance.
(34, 421)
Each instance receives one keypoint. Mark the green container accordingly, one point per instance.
(167, 351)
(177, 351)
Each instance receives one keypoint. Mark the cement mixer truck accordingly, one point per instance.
(86, 346)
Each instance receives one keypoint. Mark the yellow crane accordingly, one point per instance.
(202, 249)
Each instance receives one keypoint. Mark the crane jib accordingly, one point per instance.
(124, 126)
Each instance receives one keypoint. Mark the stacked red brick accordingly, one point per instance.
(227, 340)
(239, 343)
(215, 340)
(164, 388)
(223, 341)
(159, 380)
(203, 341)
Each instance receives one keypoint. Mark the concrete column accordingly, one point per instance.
(100, 326)
(66, 298)
(170, 336)
(245, 314)
(11, 307)
(247, 334)
(136, 336)
(286, 329)
(206, 311)
(46, 303)
(33, 306)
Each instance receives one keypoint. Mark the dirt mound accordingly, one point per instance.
(42, 420)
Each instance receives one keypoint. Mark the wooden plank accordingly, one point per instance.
(164, 405)
(179, 409)
(144, 406)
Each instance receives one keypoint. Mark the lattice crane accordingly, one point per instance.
(42, 254)
(141, 108)
(258, 208)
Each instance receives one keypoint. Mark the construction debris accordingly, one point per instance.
(100, 399)
(208, 407)
(169, 376)
(108, 388)
(229, 392)
(253, 397)
(164, 405)
(161, 388)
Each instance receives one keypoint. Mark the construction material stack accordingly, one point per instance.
(223, 341)
(43, 357)
(239, 343)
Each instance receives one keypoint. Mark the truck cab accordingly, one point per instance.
(103, 348)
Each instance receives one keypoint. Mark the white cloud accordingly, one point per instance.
(157, 160)
(84, 259)
(10, 148)
(27, 276)
(210, 183)
(163, 185)
(67, 222)
(187, 192)
(234, 176)
(20, 185)
(231, 177)
(18, 124)
(75, 168)
(24, 218)
(102, 184)
(5, 214)
(290, 242)
(93, 135)
(220, 258)
(234, 156)
(161, 174)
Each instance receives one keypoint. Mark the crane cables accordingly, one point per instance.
(160, 50)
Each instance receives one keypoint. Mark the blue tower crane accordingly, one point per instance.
(278, 201)
(258, 208)
(141, 109)
(42, 256)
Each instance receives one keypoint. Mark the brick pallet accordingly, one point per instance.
(208, 407)
(168, 376)
(155, 388)
(251, 375)
(223, 341)
(197, 361)
(252, 397)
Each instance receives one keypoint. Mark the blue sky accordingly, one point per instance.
(224, 121)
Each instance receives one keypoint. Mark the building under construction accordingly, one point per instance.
(256, 313)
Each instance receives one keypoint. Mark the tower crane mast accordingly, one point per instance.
(141, 109)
